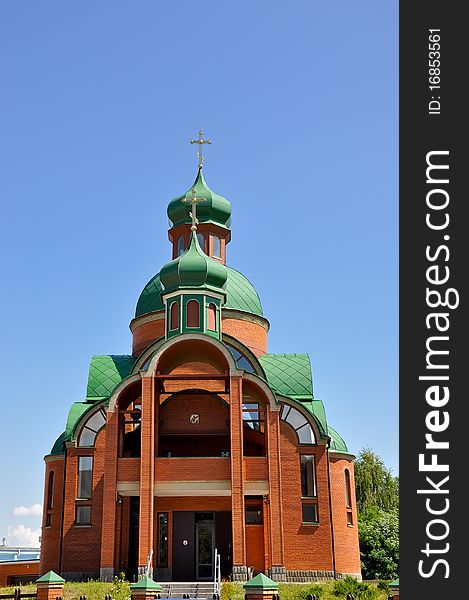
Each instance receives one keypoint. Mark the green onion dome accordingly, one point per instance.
(215, 209)
(193, 269)
(240, 295)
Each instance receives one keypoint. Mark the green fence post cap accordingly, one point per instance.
(50, 577)
(146, 583)
(261, 581)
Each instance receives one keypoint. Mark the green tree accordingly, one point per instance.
(379, 543)
(375, 486)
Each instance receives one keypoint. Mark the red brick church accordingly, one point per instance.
(199, 439)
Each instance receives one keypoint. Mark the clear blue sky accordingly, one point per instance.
(98, 101)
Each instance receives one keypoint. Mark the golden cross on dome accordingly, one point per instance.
(194, 201)
(200, 140)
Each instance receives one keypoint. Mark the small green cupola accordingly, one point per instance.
(193, 292)
(216, 209)
(213, 220)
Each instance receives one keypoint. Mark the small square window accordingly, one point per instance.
(349, 517)
(83, 515)
(48, 519)
(310, 513)
(253, 515)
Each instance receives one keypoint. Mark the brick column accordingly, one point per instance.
(237, 480)
(147, 470)
(275, 495)
(108, 531)
(50, 586)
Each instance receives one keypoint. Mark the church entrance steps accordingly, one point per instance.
(200, 590)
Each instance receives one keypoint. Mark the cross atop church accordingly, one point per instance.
(200, 140)
(194, 201)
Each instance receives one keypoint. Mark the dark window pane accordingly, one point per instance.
(162, 539)
(50, 491)
(85, 476)
(216, 246)
(83, 515)
(253, 515)
(180, 248)
(48, 519)
(308, 476)
(310, 513)
(348, 495)
(349, 518)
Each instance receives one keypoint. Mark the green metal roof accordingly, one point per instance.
(289, 374)
(216, 209)
(146, 583)
(337, 441)
(58, 447)
(106, 372)
(50, 577)
(193, 269)
(150, 298)
(240, 295)
(261, 581)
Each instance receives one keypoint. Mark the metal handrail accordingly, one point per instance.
(217, 574)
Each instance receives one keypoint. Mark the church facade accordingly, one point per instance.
(199, 439)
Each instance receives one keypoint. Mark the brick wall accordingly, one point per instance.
(306, 547)
(192, 469)
(252, 335)
(213, 415)
(50, 536)
(346, 537)
(146, 333)
(28, 570)
(82, 545)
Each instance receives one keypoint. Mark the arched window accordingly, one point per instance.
(240, 360)
(348, 498)
(192, 314)
(201, 240)
(212, 317)
(299, 423)
(180, 246)
(50, 491)
(216, 246)
(90, 429)
(49, 499)
(174, 316)
(348, 491)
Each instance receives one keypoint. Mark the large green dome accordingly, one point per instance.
(193, 269)
(215, 209)
(240, 295)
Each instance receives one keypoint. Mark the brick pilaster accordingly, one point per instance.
(108, 531)
(237, 473)
(147, 470)
(275, 486)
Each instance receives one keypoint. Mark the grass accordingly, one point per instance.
(332, 590)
